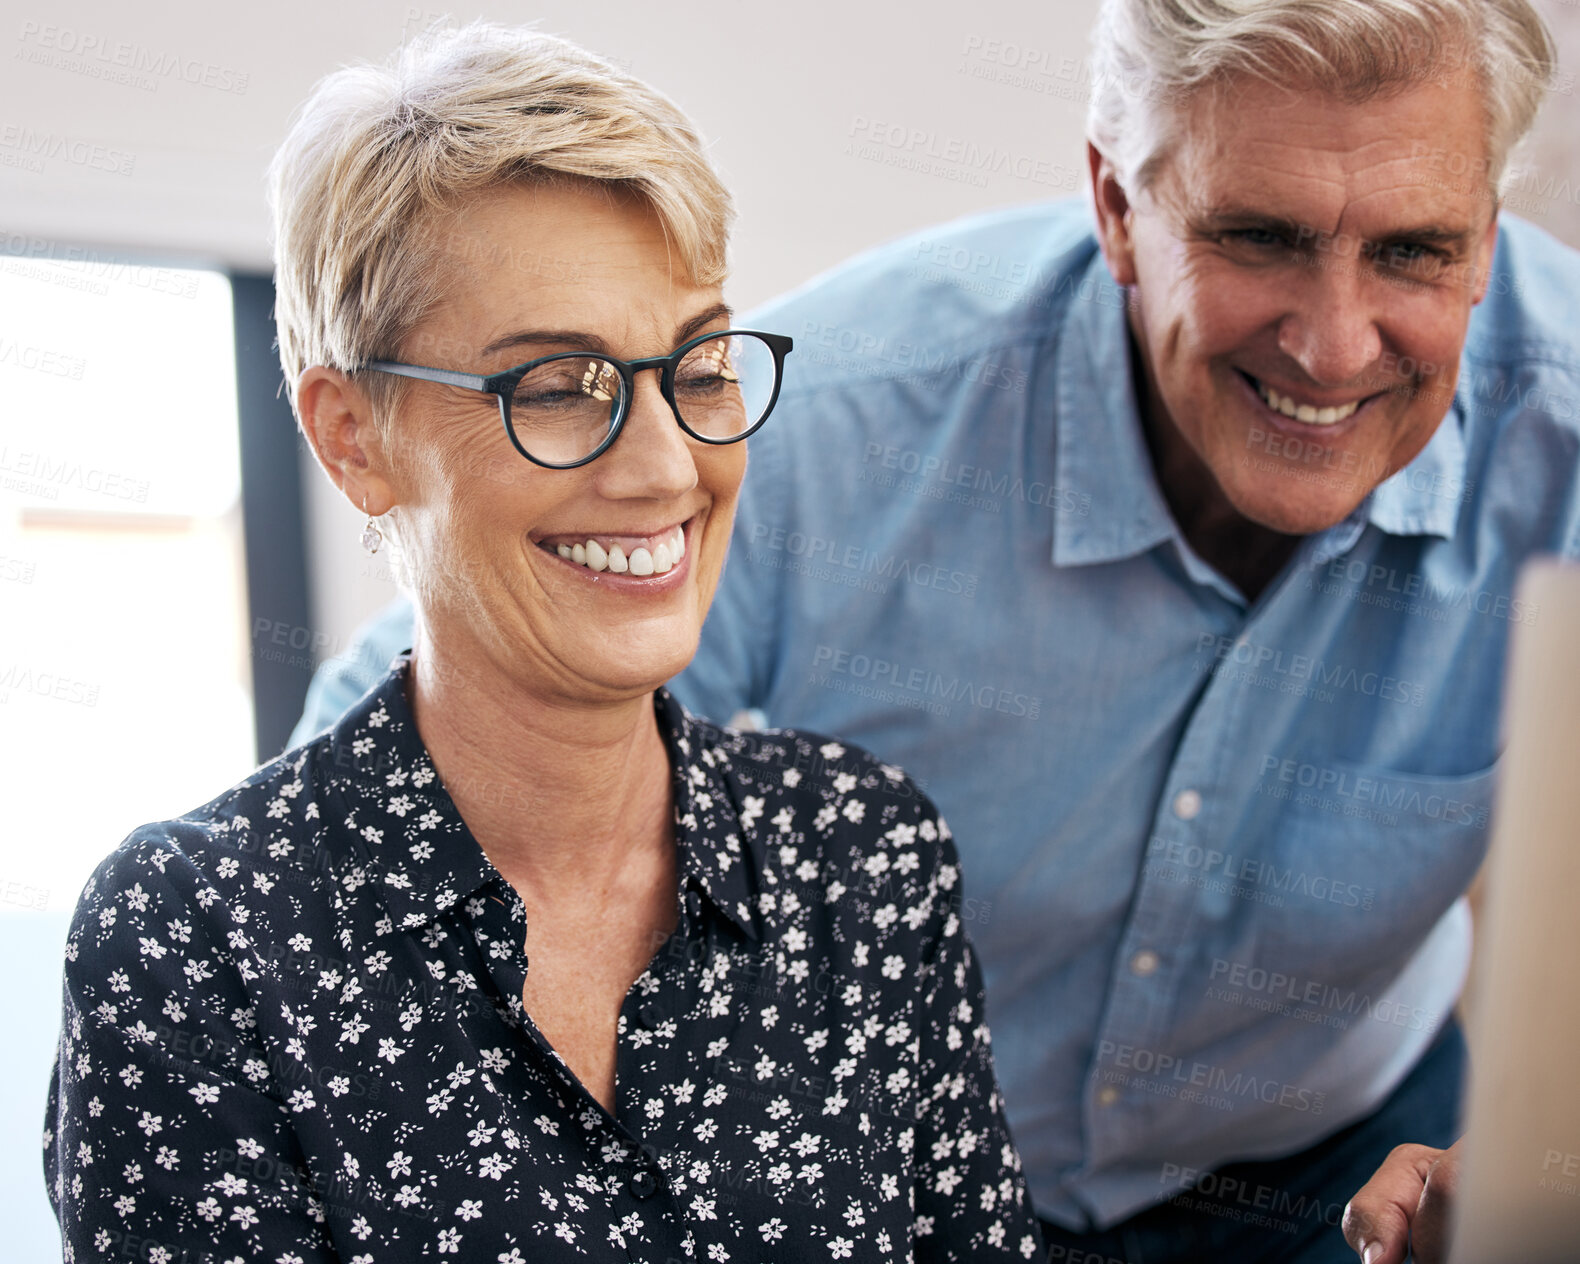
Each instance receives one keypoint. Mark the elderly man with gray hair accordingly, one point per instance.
(1171, 539)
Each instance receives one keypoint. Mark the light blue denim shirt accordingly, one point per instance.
(1214, 850)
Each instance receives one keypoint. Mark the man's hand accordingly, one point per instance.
(1406, 1205)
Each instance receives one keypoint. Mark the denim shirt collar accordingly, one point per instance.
(1424, 497)
(1101, 450)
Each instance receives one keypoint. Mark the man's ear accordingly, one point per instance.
(1113, 216)
(337, 419)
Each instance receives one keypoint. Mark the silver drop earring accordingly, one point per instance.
(372, 537)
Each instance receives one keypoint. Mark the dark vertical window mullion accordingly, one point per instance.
(278, 600)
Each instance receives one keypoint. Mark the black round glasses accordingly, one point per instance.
(564, 410)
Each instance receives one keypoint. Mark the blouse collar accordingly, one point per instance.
(377, 767)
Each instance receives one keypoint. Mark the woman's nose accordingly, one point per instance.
(651, 458)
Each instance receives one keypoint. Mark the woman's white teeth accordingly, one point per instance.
(1304, 412)
(658, 558)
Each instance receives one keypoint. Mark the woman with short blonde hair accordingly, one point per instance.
(520, 960)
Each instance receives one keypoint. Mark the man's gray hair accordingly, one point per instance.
(1150, 56)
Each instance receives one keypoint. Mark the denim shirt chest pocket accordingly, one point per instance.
(1380, 853)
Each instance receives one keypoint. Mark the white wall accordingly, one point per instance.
(780, 88)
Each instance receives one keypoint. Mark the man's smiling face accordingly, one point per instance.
(1302, 276)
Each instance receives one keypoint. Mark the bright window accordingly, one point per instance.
(125, 693)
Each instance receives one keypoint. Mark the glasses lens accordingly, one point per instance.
(564, 409)
(724, 386)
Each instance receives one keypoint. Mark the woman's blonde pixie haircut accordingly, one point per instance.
(378, 156)
(1149, 56)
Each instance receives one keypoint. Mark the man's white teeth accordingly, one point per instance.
(663, 560)
(617, 562)
(597, 558)
(641, 561)
(1304, 412)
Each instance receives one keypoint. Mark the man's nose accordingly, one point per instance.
(1331, 329)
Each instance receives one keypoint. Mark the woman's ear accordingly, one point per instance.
(337, 418)
(1112, 205)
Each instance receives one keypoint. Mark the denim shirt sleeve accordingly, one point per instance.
(340, 681)
(734, 661)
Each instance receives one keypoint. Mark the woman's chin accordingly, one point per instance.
(637, 674)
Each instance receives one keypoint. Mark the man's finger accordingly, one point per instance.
(1377, 1220)
(1433, 1221)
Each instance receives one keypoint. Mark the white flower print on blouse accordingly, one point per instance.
(293, 1030)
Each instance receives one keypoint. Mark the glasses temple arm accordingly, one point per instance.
(470, 381)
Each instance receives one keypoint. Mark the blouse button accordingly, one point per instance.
(649, 1015)
(643, 1184)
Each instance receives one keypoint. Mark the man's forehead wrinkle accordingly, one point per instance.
(1379, 162)
(1221, 184)
(1362, 135)
(1216, 177)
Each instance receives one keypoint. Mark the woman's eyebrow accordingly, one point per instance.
(562, 337)
(699, 322)
(582, 340)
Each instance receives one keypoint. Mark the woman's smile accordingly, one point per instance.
(635, 555)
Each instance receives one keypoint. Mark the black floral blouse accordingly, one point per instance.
(293, 1030)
